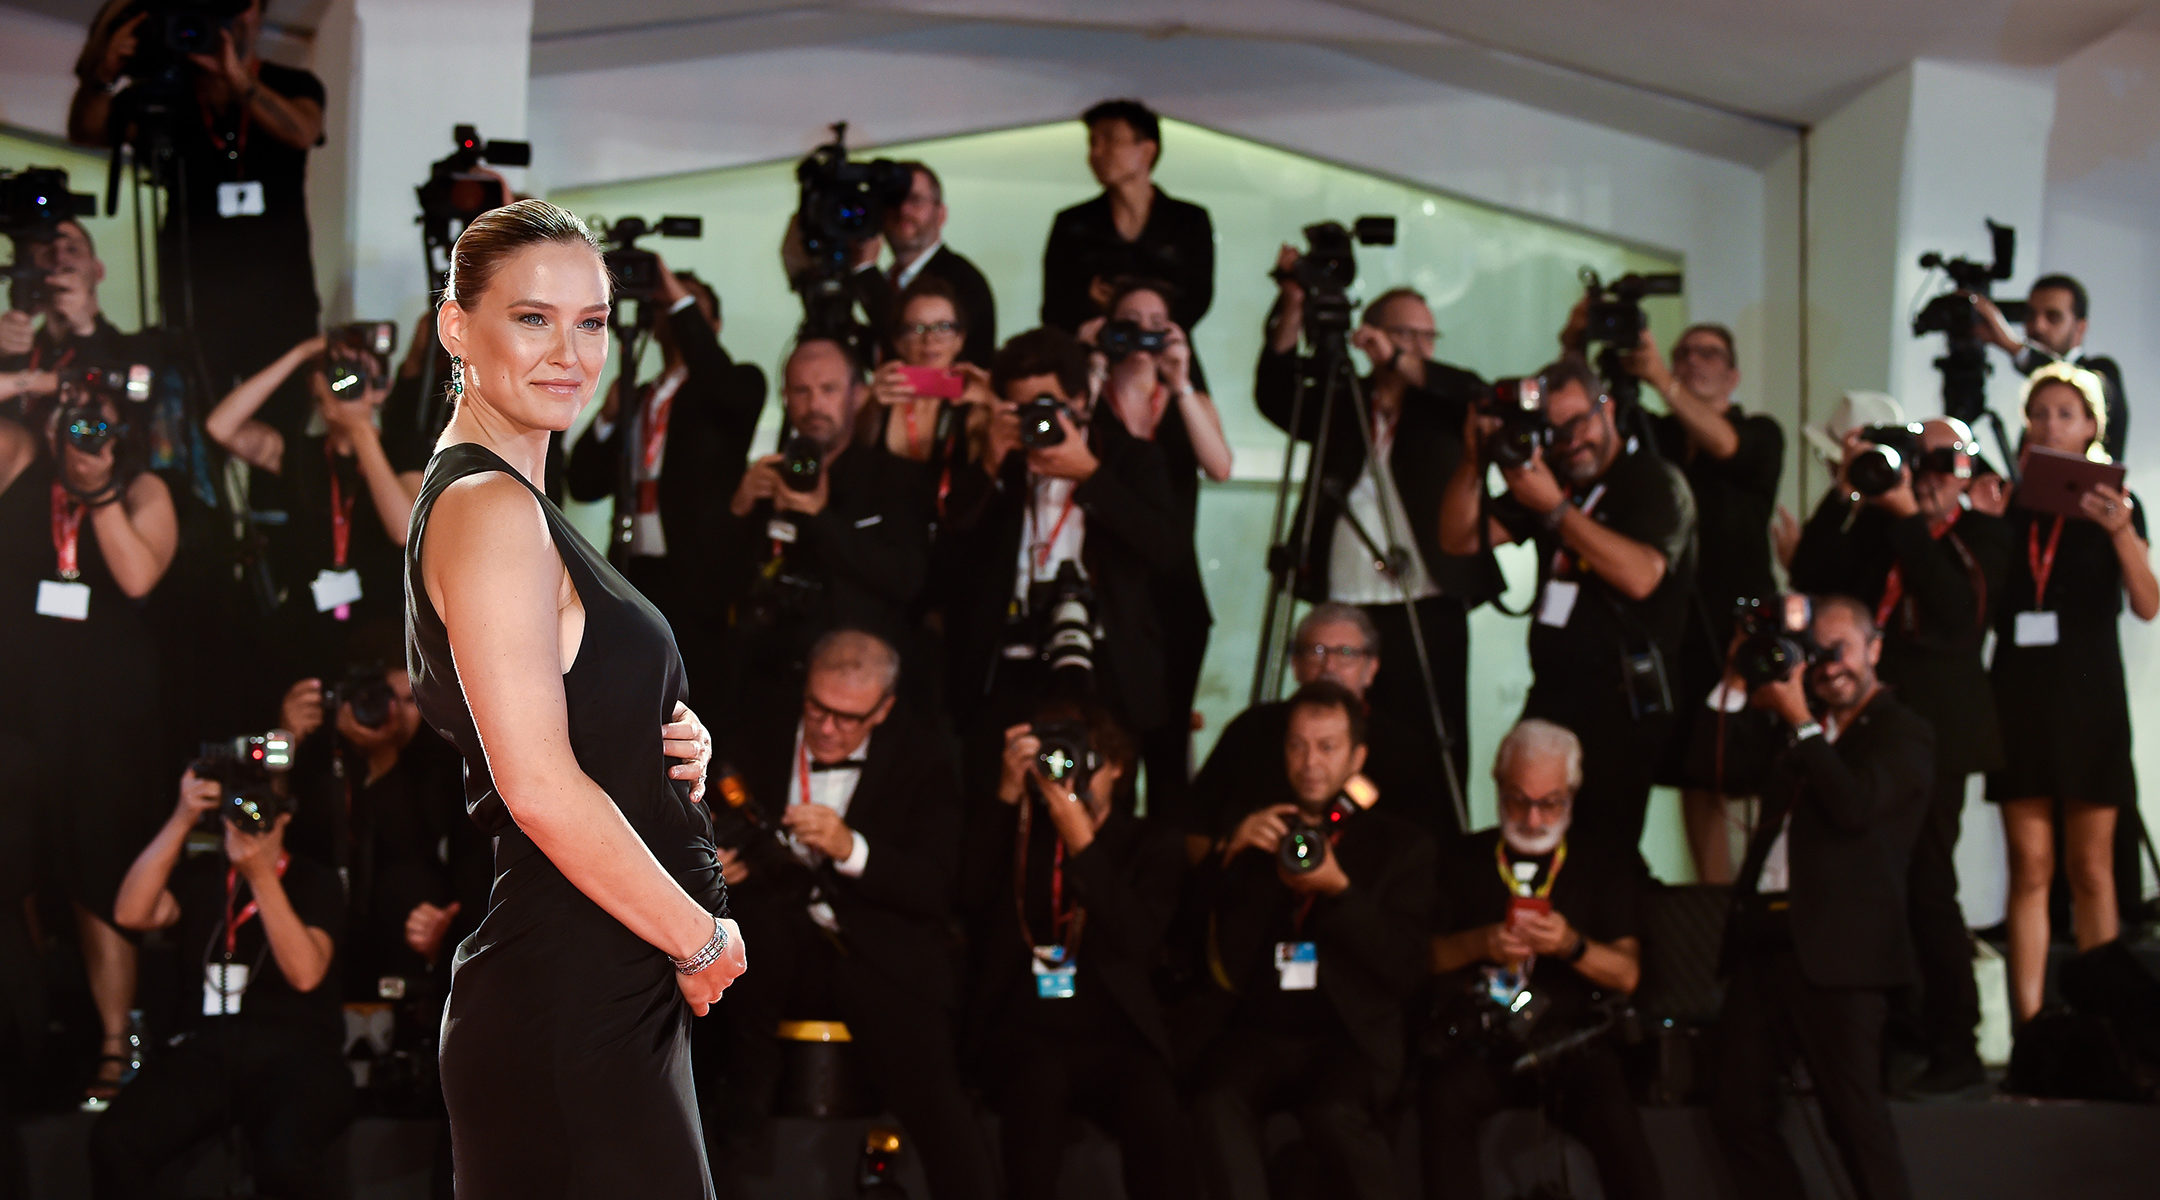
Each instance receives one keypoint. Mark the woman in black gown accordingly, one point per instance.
(565, 1045)
(2058, 678)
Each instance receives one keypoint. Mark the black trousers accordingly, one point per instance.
(1399, 687)
(1949, 1009)
(1585, 1094)
(1113, 1079)
(1324, 1080)
(288, 1091)
(905, 1046)
(1620, 757)
(1773, 1015)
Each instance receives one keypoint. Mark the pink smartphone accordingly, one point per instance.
(931, 382)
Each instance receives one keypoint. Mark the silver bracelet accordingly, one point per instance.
(707, 956)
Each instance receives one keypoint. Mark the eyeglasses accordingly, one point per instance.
(816, 713)
(1711, 351)
(1349, 654)
(1544, 806)
(1410, 333)
(940, 328)
(1565, 433)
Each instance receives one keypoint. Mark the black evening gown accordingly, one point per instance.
(566, 1044)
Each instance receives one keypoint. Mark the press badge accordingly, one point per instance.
(1559, 602)
(1055, 973)
(334, 589)
(780, 530)
(242, 199)
(2036, 629)
(224, 985)
(65, 599)
(1297, 966)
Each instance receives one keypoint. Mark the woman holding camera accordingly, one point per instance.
(86, 533)
(347, 490)
(2058, 679)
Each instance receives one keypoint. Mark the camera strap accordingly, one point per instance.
(341, 510)
(1893, 592)
(1065, 927)
(232, 887)
(67, 518)
(2043, 564)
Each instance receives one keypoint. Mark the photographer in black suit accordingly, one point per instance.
(844, 855)
(851, 550)
(1930, 567)
(1418, 405)
(1815, 940)
(1320, 961)
(693, 426)
(1539, 932)
(1074, 1026)
(1095, 505)
(915, 230)
(2055, 332)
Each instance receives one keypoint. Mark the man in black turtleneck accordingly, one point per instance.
(1131, 231)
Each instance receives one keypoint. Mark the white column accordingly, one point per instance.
(400, 74)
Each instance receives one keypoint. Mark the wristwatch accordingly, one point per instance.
(1574, 956)
(1802, 733)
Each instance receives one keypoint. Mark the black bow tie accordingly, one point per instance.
(845, 764)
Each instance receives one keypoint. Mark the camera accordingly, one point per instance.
(844, 202)
(178, 28)
(455, 192)
(1614, 315)
(1120, 340)
(1039, 424)
(1064, 755)
(637, 272)
(1964, 364)
(33, 202)
(1305, 847)
(366, 691)
(1068, 643)
(802, 461)
(1774, 638)
(1892, 448)
(1520, 405)
(1329, 266)
(83, 391)
(356, 357)
(244, 769)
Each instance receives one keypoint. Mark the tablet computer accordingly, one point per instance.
(2054, 481)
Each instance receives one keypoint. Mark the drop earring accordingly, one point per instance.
(457, 375)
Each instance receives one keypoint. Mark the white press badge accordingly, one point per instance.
(334, 589)
(224, 986)
(1559, 602)
(62, 598)
(1297, 966)
(242, 199)
(1056, 974)
(2036, 629)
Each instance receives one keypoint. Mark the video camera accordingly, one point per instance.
(1328, 268)
(1524, 429)
(637, 272)
(1613, 319)
(1892, 448)
(843, 203)
(83, 393)
(455, 192)
(33, 203)
(1954, 314)
(1775, 636)
(356, 357)
(1305, 847)
(245, 769)
(176, 29)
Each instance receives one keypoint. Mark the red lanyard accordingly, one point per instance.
(1042, 547)
(655, 430)
(1894, 587)
(2043, 565)
(802, 769)
(237, 147)
(232, 883)
(1065, 926)
(66, 532)
(66, 356)
(340, 513)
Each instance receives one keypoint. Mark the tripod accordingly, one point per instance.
(1327, 330)
(632, 335)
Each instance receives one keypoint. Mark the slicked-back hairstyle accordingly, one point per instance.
(1138, 117)
(498, 234)
(1045, 351)
(2066, 283)
(1326, 694)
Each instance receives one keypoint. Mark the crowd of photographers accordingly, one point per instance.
(949, 630)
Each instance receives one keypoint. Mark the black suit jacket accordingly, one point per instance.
(894, 917)
(1428, 444)
(1856, 808)
(1245, 773)
(1133, 542)
(1176, 246)
(1372, 940)
(1932, 642)
(710, 425)
(880, 301)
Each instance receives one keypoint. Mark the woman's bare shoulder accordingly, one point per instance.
(485, 519)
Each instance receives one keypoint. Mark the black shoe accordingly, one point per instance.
(1961, 1078)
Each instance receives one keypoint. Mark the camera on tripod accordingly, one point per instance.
(843, 204)
(456, 192)
(1305, 847)
(1329, 266)
(1614, 315)
(245, 769)
(84, 392)
(1954, 314)
(1892, 448)
(1775, 637)
(637, 272)
(356, 357)
(33, 202)
(177, 29)
(1524, 430)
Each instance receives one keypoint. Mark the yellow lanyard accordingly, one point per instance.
(1559, 859)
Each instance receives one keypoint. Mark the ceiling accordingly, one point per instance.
(1696, 72)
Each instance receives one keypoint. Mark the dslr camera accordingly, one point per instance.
(1775, 637)
(1329, 266)
(33, 202)
(83, 393)
(1039, 426)
(1064, 754)
(366, 691)
(356, 357)
(802, 462)
(1524, 431)
(245, 768)
(1120, 340)
(1891, 449)
(1305, 847)
(636, 272)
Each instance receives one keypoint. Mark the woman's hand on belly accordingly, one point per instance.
(703, 989)
(685, 737)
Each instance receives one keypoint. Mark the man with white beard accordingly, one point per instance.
(1538, 935)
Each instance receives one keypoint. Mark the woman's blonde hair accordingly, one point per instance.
(2090, 387)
